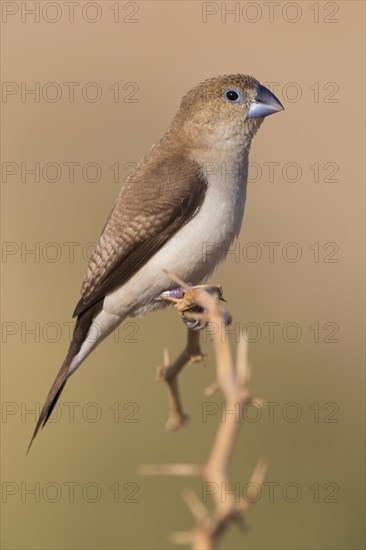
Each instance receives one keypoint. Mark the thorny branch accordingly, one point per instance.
(231, 378)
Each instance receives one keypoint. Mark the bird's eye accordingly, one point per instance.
(232, 95)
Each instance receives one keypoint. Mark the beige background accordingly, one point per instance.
(165, 52)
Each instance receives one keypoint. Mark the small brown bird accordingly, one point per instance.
(179, 211)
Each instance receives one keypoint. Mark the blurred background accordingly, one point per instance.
(87, 88)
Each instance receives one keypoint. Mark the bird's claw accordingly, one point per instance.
(184, 301)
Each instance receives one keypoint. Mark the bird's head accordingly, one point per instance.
(224, 112)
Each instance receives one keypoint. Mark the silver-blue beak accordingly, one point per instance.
(265, 103)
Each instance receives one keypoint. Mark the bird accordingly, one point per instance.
(179, 211)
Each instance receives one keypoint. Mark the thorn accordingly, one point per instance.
(176, 279)
(212, 388)
(260, 471)
(166, 358)
(199, 511)
(181, 537)
(242, 366)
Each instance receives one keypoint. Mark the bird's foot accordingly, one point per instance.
(192, 315)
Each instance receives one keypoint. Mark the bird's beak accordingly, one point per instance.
(265, 103)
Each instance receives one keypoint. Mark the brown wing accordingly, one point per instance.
(163, 194)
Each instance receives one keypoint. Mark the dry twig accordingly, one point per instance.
(169, 373)
(231, 379)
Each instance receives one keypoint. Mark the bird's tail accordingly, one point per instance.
(81, 330)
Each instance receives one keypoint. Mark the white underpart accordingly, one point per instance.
(192, 254)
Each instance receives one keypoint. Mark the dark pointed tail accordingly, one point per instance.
(83, 324)
(51, 400)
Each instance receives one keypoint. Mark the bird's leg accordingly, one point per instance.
(169, 373)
